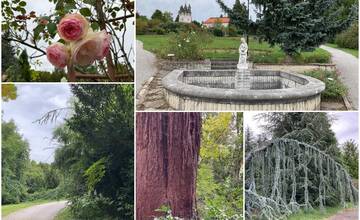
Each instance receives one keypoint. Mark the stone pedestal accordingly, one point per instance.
(242, 79)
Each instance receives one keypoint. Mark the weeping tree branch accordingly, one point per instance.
(315, 179)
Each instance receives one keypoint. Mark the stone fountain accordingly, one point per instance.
(241, 89)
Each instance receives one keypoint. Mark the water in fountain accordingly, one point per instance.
(242, 75)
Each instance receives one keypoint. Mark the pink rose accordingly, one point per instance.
(58, 55)
(95, 46)
(104, 41)
(73, 27)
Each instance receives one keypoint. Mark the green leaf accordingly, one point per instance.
(95, 26)
(38, 30)
(90, 2)
(85, 11)
(23, 4)
(51, 28)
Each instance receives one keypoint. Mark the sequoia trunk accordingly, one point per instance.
(167, 155)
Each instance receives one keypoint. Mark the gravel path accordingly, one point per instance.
(46, 211)
(348, 65)
(349, 214)
(145, 65)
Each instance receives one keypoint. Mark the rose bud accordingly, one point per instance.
(95, 46)
(43, 21)
(58, 55)
(73, 27)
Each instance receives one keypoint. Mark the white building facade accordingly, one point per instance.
(185, 14)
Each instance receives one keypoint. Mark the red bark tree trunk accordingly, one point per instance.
(167, 153)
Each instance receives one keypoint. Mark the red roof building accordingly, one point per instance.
(213, 21)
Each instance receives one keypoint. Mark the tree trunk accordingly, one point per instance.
(167, 153)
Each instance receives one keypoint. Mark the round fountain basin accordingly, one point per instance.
(215, 90)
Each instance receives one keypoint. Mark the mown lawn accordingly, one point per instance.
(7, 209)
(227, 48)
(347, 50)
(316, 214)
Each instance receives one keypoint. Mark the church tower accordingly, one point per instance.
(185, 14)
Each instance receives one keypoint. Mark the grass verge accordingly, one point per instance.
(347, 50)
(334, 88)
(227, 48)
(64, 214)
(316, 214)
(7, 209)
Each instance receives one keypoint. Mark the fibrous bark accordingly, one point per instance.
(296, 175)
(167, 152)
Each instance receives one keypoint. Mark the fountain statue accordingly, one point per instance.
(242, 64)
(242, 75)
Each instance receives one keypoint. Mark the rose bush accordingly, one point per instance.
(83, 45)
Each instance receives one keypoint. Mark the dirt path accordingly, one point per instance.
(348, 214)
(46, 211)
(347, 64)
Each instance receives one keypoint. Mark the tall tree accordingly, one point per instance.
(96, 147)
(15, 158)
(8, 53)
(157, 15)
(299, 25)
(25, 66)
(350, 157)
(238, 14)
(313, 128)
(167, 154)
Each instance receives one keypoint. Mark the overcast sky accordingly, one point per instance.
(45, 8)
(34, 101)
(201, 9)
(345, 127)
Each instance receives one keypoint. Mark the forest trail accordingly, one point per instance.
(347, 64)
(46, 211)
(347, 214)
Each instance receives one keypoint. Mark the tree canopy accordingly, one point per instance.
(96, 151)
(300, 25)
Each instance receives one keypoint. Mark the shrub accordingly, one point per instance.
(334, 88)
(186, 45)
(232, 31)
(90, 206)
(349, 38)
(159, 31)
(141, 26)
(218, 32)
(316, 56)
(43, 76)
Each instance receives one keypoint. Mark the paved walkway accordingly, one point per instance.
(348, 65)
(145, 65)
(46, 211)
(349, 214)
